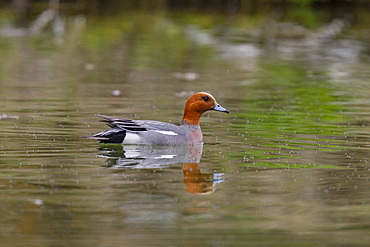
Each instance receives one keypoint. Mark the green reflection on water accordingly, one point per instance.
(142, 36)
(293, 111)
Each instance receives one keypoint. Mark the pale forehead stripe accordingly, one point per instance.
(209, 95)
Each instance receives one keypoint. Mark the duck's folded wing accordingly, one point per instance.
(138, 125)
(122, 123)
(144, 131)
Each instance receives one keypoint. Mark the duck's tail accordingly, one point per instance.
(114, 135)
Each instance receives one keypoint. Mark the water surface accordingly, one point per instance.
(288, 165)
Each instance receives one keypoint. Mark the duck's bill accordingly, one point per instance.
(220, 108)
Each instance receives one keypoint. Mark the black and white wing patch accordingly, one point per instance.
(122, 123)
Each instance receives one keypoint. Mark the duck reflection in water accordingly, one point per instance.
(154, 157)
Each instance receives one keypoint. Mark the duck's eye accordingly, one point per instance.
(205, 98)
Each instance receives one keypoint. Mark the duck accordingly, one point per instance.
(149, 132)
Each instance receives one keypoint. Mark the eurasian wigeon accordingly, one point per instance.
(127, 131)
